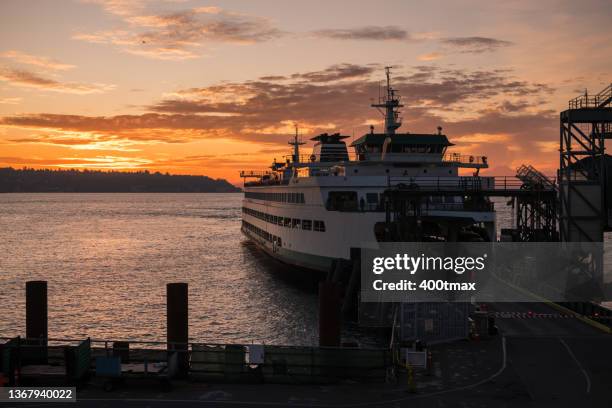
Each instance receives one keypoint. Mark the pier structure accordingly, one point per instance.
(585, 210)
(574, 207)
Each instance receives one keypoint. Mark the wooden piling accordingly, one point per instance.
(37, 326)
(349, 305)
(177, 325)
(329, 314)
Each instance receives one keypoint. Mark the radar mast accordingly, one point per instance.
(391, 104)
(296, 145)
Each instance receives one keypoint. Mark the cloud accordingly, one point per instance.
(10, 101)
(474, 45)
(179, 35)
(432, 56)
(119, 7)
(488, 112)
(336, 72)
(373, 33)
(482, 107)
(43, 62)
(29, 79)
(79, 140)
(111, 162)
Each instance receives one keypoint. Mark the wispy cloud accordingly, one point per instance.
(119, 7)
(373, 33)
(332, 73)
(30, 79)
(474, 45)
(432, 56)
(43, 62)
(180, 35)
(110, 162)
(10, 101)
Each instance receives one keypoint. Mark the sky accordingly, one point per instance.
(211, 88)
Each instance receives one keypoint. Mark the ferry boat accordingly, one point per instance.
(309, 210)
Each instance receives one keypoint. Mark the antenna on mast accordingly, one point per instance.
(296, 144)
(391, 104)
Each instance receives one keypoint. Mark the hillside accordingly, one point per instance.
(93, 181)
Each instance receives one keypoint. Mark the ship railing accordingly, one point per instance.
(472, 183)
(325, 158)
(254, 173)
(428, 205)
(270, 182)
(465, 159)
(338, 158)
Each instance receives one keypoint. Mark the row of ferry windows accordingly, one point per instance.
(263, 234)
(294, 198)
(308, 225)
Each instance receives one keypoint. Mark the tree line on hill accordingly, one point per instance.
(28, 180)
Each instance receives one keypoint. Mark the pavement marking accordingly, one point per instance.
(586, 375)
(584, 319)
(530, 315)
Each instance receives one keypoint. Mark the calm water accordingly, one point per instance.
(108, 257)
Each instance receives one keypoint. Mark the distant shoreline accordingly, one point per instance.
(121, 192)
(96, 181)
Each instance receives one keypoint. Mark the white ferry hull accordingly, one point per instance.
(294, 258)
(278, 227)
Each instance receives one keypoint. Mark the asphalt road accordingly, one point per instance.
(559, 361)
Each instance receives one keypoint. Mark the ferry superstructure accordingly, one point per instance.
(308, 211)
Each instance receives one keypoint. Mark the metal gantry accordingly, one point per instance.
(536, 213)
(585, 126)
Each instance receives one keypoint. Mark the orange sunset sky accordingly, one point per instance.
(210, 88)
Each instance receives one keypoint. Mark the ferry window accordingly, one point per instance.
(319, 226)
(342, 201)
(302, 200)
(307, 225)
(287, 222)
(295, 223)
(372, 198)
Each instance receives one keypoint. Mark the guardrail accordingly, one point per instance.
(240, 362)
(592, 101)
